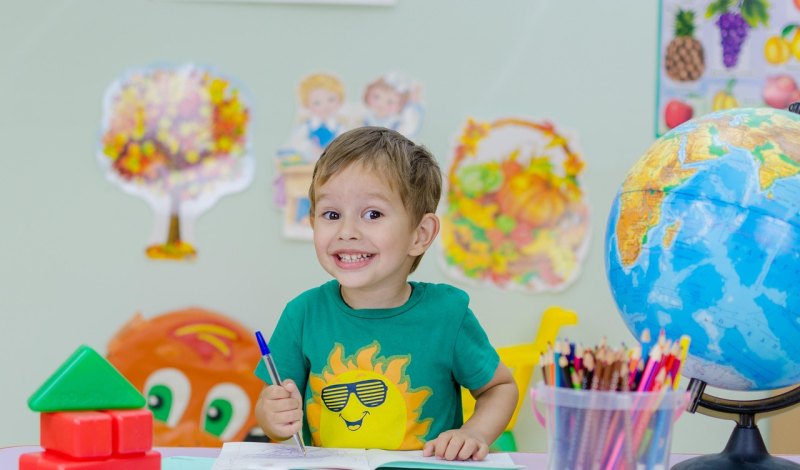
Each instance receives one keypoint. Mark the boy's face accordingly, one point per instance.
(323, 103)
(384, 101)
(362, 232)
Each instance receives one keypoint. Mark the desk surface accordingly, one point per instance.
(9, 456)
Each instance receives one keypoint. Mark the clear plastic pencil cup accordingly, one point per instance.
(607, 430)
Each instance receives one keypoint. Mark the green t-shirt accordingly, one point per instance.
(381, 378)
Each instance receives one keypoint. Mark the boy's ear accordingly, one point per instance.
(425, 233)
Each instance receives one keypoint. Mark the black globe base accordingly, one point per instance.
(745, 451)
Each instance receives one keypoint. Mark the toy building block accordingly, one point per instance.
(118, 436)
(132, 430)
(85, 381)
(77, 434)
(48, 460)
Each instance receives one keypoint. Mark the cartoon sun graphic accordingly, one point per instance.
(366, 401)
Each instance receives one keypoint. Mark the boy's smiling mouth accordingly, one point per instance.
(352, 260)
(353, 257)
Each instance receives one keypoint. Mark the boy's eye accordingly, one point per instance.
(373, 214)
(330, 215)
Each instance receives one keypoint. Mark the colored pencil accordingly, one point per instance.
(611, 439)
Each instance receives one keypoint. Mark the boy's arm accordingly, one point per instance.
(494, 404)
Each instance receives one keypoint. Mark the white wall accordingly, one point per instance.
(72, 268)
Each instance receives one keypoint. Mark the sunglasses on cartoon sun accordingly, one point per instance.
(370, 393)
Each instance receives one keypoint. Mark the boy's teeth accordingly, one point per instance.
(353, 258)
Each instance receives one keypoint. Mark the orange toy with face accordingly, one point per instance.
(195, 368)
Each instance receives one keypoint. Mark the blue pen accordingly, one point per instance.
(276, 379)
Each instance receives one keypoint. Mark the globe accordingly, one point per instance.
(703, 239)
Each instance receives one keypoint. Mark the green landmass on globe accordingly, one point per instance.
(702, 239)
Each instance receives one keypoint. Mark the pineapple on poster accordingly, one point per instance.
(722, 54)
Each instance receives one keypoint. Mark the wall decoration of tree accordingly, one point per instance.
(177, 137)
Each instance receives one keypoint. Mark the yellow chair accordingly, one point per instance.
(521, 359)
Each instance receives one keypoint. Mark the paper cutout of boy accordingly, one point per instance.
(321, 96)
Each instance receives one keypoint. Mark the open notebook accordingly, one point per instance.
(257, 455)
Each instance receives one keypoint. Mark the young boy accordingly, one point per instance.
(377, 360)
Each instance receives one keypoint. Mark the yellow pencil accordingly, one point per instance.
(684, 342)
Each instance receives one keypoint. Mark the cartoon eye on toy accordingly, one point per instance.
(167, 392)
(225, 411)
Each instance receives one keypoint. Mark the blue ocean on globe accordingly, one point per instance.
(703, 238)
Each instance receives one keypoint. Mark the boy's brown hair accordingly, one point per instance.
(410, 169)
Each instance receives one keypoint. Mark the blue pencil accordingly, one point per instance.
(276, 379)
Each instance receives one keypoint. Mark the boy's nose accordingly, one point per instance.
(348, 231)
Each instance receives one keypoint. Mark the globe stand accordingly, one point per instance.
(745, 449)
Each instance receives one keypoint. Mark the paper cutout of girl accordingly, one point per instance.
(393, 101)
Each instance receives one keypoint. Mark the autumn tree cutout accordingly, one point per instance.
(177, 137)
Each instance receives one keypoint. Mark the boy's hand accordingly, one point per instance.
(457, 444)
(494, 405)
(281, 407)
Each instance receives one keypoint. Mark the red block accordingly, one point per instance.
(132, 431)
(79, 434)
(52, 461)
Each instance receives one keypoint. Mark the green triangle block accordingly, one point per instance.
(86, 381)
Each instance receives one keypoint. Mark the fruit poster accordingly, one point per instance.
(324, 112)
(515, 214)
(721, 54)
(178, 138)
